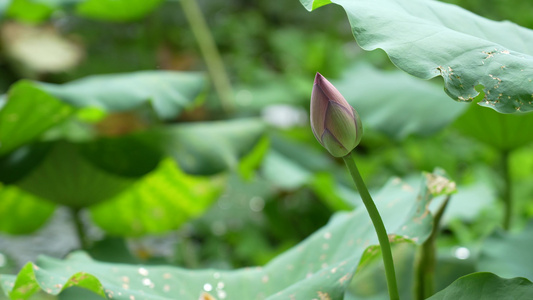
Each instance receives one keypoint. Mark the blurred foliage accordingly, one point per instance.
(516, 11)
(196, 187)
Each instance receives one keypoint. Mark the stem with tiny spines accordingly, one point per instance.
(378, 226)
(506, 193)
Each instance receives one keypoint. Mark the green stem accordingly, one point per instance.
(426, 259)
(506, 195)
(75, 212)
(378, 225)
(209, 50)
(188, 254)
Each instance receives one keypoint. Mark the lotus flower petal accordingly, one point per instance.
(335, 124)
(333, 145)
(341, 124)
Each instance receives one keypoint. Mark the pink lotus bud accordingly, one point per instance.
(335, 124)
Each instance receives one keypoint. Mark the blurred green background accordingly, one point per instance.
(284, 186)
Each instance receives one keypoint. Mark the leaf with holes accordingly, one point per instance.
(427, 38)
(319, 267)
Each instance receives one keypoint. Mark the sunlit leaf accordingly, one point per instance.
(35, 11)
(161, 201)
(314, 4)
(28, 10)
(116, 10)
(27, 114)
(486, 286)
(320, 266)
(253, 159)
(430, 38)
(21, 212)
(324, 185)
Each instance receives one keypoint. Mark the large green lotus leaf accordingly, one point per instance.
(502, 131)
(369, 283)
(116, 10)
(320, 267)
(169, 92)
(210, 147)
(16, 164)
(427, 38)
(395, 103)
(508, 254)
(66, 177)
(32, 108)
(27, 113)
(161, 201)
(21, 212)
(486, 286)
(128, 155)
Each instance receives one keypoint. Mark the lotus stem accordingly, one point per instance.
(210, 53)
(425, 262)
(80, 230)
(507, 193)
(378, 225)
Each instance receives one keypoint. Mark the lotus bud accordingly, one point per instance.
(335, 124)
